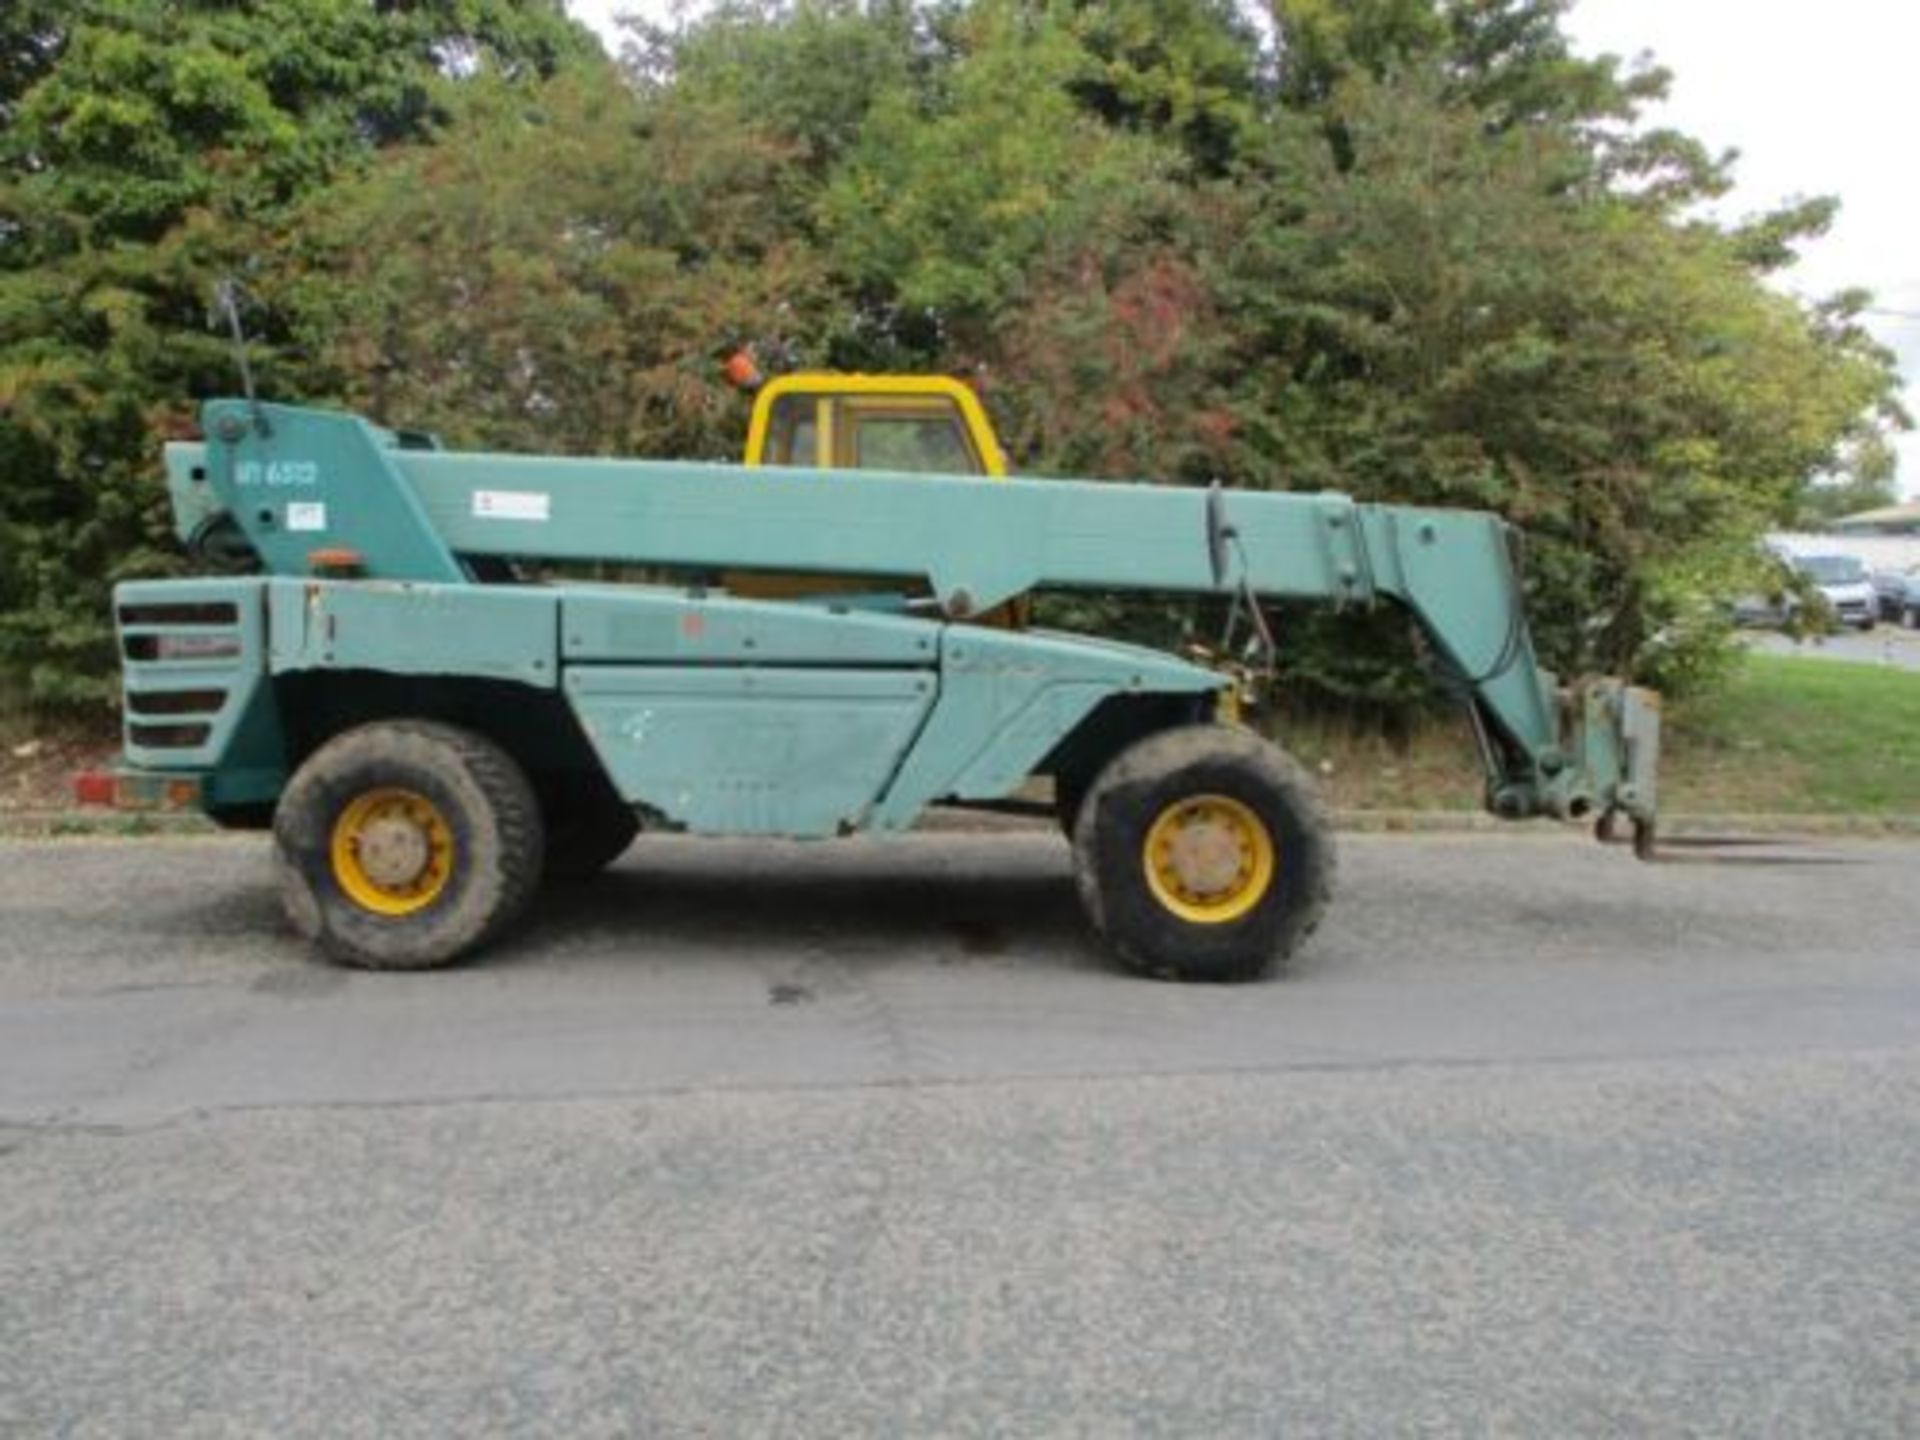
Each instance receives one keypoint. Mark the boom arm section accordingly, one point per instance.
(1589, 748)
(301, 482)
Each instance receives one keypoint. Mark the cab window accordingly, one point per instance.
(927, 443)
(793, 431)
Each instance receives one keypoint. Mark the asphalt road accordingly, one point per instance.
(865, 1139)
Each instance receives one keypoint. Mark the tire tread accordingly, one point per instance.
(509, 806)
(1165, 754)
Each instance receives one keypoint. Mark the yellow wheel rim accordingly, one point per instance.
(392, 851)
(1209, 859)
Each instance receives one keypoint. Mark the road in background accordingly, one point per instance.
(867, 1139)
(1883, 645)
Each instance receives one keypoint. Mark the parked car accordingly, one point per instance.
(1843, 583)
(1898, 594)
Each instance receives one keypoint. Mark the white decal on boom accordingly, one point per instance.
(512, 505)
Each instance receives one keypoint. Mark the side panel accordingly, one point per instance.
(498, 633)
(729, 750)
(683, 629)
(1008, 699)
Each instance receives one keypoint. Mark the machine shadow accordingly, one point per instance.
(875, 909)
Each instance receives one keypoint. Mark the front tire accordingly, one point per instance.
(1202, 855)
(402, 845)
(1069, 795)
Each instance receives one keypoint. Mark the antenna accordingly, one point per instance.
(227, 295)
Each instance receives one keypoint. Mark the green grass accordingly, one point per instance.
(1786, 736)
(1800, 737)
(1434, 769)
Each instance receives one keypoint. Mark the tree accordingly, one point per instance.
(1188, 70)
(943, 204)
(556, 270)
(146, 142)
(1462, 326)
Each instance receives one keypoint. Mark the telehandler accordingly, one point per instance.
(430, 714)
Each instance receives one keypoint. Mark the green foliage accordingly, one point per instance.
(1465, 333)
(1420, 251)
(555, 273)
(809, 72)
(943, 207)
(147, 147)
(1177, 68)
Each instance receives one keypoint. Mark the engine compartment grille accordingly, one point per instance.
(189, 660)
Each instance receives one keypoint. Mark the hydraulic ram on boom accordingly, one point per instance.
(391, 621)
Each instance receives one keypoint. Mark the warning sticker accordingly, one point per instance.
(512, 505)
(306, 515)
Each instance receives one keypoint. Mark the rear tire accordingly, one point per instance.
(402, 845)
(1202, 855)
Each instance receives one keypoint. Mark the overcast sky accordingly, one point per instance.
(1818, 99)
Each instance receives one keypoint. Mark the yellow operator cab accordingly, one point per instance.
(930, 424)
(903, 424)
